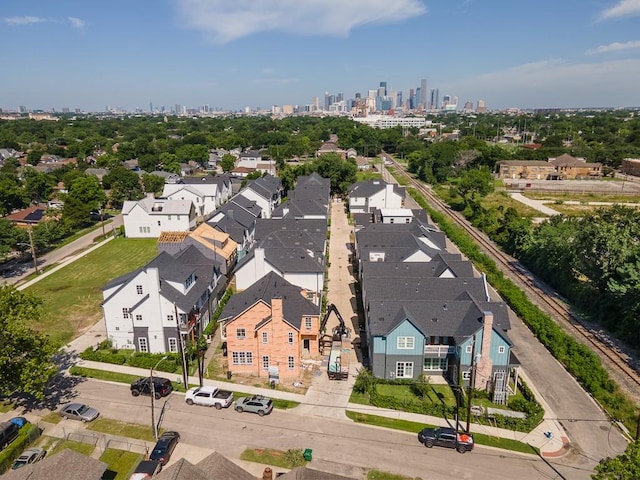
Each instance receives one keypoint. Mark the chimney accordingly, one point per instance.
(276, 309)
(485, 366)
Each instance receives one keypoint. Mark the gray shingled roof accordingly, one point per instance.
(315, 228)
(65, 465)
(183, 470)
(434, 268)
(304, 473)
(444, 318)
(177, 269)
(271, 286)
(291, 238)
(426, 289)
(367, 188)
(299, 208)
(288, 260)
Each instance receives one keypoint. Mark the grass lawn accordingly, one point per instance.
(121, 464)
(586, 197)
(52, 417)
(126, 378)
(83, 448)
(414, 427)
(6, 406)
(72, 295)
(123, 429)
(365, 176)
(277, 458)
(436, 394)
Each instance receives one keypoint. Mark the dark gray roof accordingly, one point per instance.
(65, 465)
(177, 269)
(271, 286)
(183, 470)
(414, 289)
(232, 227)
(292, 239)
(259, 188)
(315, 228)
(249, 205)
(299, 208)
(288, 260)
(304, 473)
(270, 182)
(458, 318)
(207, 179)
(434, 268)
(367, 188)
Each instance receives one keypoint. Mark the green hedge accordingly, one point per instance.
(578, 359)
(27, 435)
(106, 354)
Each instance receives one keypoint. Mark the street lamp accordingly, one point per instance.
(153, 398)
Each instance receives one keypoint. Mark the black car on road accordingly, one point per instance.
(164, 447)
(446, 437)
(143, 386)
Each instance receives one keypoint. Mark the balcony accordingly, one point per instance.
(439, 351)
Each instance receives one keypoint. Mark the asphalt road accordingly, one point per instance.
(339, 443)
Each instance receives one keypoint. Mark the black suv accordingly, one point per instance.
(142, 386)
(446, 437)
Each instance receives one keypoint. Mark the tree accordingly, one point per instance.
(85, 195)
(38, 186)
(124, 185)
(26, 363)
(152, 183)
(477, 181)
(228, 162)
(625, 466)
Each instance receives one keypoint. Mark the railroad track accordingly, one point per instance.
(540, 294)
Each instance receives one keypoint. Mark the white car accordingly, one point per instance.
(28, 457)
(209, 396)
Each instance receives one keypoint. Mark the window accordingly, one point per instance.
(143, 345)
(391, 220)
(404, 369)
(307, 323)
(265, 362)
(117, 329)
(139, 289)
(241, 333)
(242, 358)
(173, 345)
(141, 229)
(405, 343)
(290, 337)
(468, 349)
(169, 216)
(265, 337)
(126, 312)
(501, 349)
(435, 364)
(138, 318)
(159, 224)
(170, 318)
(292, 362)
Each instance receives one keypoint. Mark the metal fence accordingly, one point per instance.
(127, 445)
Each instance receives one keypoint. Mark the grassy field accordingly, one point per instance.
(121, 464)
(380, 475)
(72, 295)
(277, 458)
(123, 429)
(585, 198)
(83, 448)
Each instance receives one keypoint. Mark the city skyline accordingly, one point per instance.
(78, 54)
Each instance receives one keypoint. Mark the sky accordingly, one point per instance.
(232, 54)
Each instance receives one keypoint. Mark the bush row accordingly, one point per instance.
(578, 359)
(106, 354)
(27, 435)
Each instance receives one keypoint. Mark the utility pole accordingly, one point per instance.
(472, 379)
(33, 250)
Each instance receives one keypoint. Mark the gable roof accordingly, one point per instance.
(315, 228)
(174, 269)
(31, 215)
(150, 206)
(299, 208)
(304, 473)
(271, 286)
(65, 465)
(367, 188)
(436, 267)
(459, 318)
(287, 260)
(183, 470)
(401, 240)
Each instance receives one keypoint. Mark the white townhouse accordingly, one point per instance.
(265, 191)
(151, 308)
(149, 217)
(206, 193)
(366, 196)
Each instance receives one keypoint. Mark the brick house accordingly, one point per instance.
(271, 329)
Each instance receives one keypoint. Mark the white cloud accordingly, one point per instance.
(224, 21)
(268, 71)
(554, 83)
(77, 22)
(24, 20)
(624, 8)
(615, 47)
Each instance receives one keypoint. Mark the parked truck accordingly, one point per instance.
(209, 396)
(338, 367)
